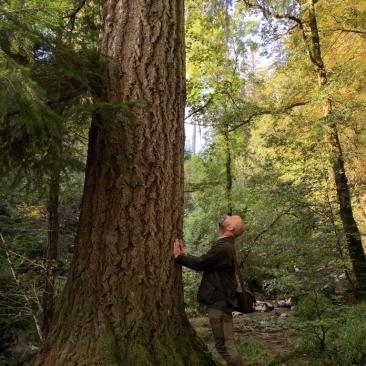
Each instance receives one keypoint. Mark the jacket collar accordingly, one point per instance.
(226, 239)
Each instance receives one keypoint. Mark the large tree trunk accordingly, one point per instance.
(123, 303)
(350, 227)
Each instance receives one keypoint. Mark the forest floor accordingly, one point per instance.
(263, 338)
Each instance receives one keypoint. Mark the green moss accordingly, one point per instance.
(165, 354)
(83, 345)
(106, 350)
(137, 354)
(166, 351)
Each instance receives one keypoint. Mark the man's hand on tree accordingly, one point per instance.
(178, 248)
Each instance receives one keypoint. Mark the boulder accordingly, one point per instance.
(263, 306)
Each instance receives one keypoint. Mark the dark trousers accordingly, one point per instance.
(222, 328)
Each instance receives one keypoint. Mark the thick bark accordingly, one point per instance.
(350, 227)
(52, 251)
(123, 303)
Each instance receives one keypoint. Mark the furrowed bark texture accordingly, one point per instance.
(349, 224)
(123, 303)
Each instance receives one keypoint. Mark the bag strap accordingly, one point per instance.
(237, 270)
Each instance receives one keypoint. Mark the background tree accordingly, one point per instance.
(307, 24)
(43, 117)
(280, 157)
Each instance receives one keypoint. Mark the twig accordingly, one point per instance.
(72, 14)
(17, 281)
(266, 112)
(270, 226)
(299, 22)
(36, 298)
(26, 259)
(198, 109)
(343, 30)
(267, 12)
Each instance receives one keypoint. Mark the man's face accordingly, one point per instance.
(232, 224)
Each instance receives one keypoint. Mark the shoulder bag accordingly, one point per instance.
(246, 299)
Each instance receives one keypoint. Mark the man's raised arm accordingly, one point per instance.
(206, 261)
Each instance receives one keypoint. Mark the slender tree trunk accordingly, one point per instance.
(338, 240)
(362, 210)
(350, 227)
(52, 251)
(123, 302)
(229, 176)
(194, 138)
(226, 133)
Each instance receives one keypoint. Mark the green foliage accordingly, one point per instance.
(348, 340)
(47, 74)
(316, 316)
(23, 229)
(330, 333)
(23, 224)
(281, 180)
(253, 352)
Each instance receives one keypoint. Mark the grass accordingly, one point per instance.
(254, 353)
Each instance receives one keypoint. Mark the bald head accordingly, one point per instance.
(232, 224)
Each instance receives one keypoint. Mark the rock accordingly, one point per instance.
(263, 306)
(284, 315)
(287, 303)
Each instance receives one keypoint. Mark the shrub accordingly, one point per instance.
(315, 316)
(348, 344)
(332, 334)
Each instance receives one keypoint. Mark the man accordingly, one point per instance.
(218, 286)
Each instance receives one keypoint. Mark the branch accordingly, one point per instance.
(344, 30)
(62, 99)
(72, 14)
(338, 21)
(266, 112)
(196, 187)
(268, 13)
(270, 226)
(18, 283)
(36, 298)
(26, 259)
(199, 109)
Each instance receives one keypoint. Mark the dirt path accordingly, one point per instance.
(261, 337)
